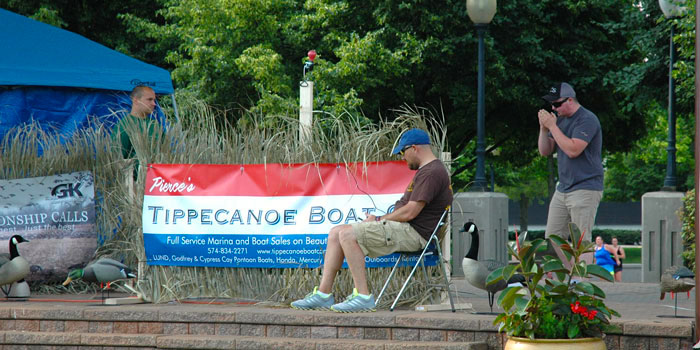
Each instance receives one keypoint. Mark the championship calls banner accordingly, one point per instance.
(261, 215)
(57, 215)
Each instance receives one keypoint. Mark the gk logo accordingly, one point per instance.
(67, 190)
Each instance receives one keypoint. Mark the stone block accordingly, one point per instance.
(42, 338)
(297, 331)
(492, 340)
(658, 328)
(190, 315)
(378, 333)
(346, 344)
(257, 343)
(150, 327)
(109, 314)
(354, 320)
(665, 344)
(432, 335)
(434, 345)
(634, 343)
(125, 327)
(52, 326)
(351, 332)
(176, 328)
(45, 313)
(272, 316)
(7, 325)
(196, 342)
(460, 336)
(255, 330)
(28, 325)
(76, 326)
(274, 331)
(324, 332)
(445, 321)
(612, 342)
(405, 334)
(119, 339)
(228, 329)
(100, 327)
(202, 328)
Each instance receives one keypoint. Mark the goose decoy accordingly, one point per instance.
(476, 271)
(676, 279)
(104, 270)
(13, 267)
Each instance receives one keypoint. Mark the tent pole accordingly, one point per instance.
(177, 115)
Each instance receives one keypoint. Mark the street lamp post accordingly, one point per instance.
(671, 9)
(481, 12)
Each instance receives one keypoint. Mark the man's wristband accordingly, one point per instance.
(377, 218)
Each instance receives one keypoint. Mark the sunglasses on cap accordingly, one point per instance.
(558, 104)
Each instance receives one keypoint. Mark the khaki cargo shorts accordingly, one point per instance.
(385, 237)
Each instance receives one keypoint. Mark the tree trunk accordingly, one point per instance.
(524, 204)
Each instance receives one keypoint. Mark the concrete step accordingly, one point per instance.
(18, 340)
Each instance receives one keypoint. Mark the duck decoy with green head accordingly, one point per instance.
(104, 270)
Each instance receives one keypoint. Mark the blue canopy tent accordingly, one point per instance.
(64, 80)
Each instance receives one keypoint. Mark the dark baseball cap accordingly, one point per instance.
(412, 137)
(558, 91)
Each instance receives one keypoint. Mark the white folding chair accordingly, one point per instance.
(432, 247)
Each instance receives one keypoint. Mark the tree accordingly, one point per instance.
(95, 20)
(375, 56)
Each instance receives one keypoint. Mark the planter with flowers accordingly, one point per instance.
(552, 311)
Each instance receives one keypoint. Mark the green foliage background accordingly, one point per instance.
(375, 56)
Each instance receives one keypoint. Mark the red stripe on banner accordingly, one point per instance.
(277, 179)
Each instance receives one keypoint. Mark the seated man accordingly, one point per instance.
(407, 228)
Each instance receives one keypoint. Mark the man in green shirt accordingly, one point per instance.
(143, 101)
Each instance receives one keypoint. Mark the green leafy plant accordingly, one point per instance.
(551, 304)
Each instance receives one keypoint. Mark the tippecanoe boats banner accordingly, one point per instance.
(261, 215)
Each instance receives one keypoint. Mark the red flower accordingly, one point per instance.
(591, 315)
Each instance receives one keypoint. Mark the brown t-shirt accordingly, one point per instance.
(432, 185)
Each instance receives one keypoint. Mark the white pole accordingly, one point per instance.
(306, 111)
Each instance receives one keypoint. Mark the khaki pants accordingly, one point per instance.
(578, 207)
(379, 238)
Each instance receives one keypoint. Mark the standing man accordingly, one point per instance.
(575, 134)
(143, 101)
(407, 228)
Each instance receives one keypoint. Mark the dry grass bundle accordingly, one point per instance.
(197, 138)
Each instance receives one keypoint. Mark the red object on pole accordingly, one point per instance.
(312, 55)
(697, 170)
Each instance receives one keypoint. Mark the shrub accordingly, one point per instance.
(627, 237)
(687, 215)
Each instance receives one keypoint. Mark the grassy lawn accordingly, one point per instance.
(634, 255)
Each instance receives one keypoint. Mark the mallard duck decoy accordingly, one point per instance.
(103, 270)
(476, 271)
(13, 267)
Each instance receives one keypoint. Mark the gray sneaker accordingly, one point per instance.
(355, 303)
(313, 301)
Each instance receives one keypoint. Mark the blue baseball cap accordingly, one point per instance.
(410, 138)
